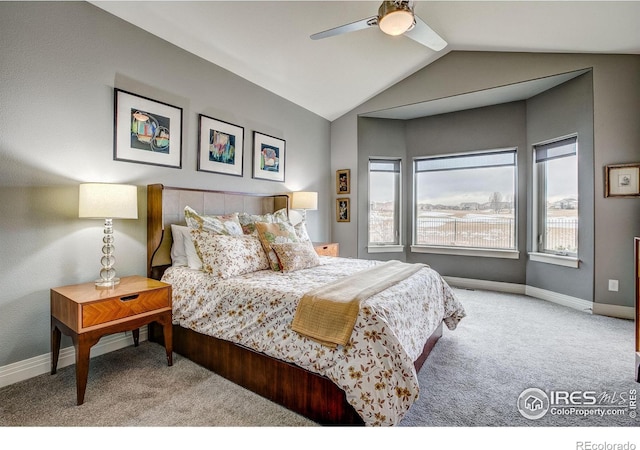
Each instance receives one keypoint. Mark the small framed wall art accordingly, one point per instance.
(622, 180)
(343, 210)
(268, 157)
(220, 146)
(343, 182)
(146, 131)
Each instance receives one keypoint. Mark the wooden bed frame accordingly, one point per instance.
(311, 395)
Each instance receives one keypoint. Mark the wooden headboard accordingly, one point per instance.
(165, 206)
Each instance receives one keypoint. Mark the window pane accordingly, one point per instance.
(560, 207)
(470, 206)
(557, 196)
(384, 202)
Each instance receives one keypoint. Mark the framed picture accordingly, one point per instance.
(343, 182)
(220, 146)
(622, 180)
(343, 210)
(146, 131)
(268, 157)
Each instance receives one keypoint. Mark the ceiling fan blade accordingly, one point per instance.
(423, 34)
(348, 28)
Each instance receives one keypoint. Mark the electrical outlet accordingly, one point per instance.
(613, 285)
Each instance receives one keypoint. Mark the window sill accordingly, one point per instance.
(385, 249)
(463, 251)
(547, 258)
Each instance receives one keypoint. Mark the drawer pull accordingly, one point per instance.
(129, 297)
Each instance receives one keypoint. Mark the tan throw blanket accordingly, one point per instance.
(327, 314)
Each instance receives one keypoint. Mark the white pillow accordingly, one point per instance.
(178, 252)
(185, 255)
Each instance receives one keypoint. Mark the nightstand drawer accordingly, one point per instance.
(132, 304)
(327, 249)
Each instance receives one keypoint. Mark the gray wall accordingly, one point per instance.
(555, 113)
(564, 110)
(59, 64)
(380, 138)
(616, 112)
(493, 127)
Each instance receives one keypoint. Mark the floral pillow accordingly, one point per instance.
(248, 221)
(296, 255)
(301, 231)
(227, 256)
(275, 233)
(221, 224)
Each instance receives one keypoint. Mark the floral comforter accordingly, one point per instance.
(375, 369)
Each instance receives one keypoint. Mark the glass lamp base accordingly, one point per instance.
(107, 283)
(108, 277)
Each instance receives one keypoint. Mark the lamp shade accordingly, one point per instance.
(108, 201)
(304, 200)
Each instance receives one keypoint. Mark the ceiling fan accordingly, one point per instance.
(395, 17)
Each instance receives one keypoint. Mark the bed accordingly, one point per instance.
(241, 326)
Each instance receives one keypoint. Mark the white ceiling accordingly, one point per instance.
(267, 42)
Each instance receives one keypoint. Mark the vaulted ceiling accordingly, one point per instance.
(268, 43)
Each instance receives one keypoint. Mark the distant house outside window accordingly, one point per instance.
(556, 197)
(466, 200)
(384, 202)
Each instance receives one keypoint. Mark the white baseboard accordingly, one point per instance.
(561, 299)
(514, 288)
(602, 309)
(499, 286)
(38, 365)
(622, 312)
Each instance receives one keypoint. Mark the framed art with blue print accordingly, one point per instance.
(268, 157)
(220, 146)
(146, 131)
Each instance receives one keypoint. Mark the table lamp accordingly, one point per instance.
(108, 202)
(304, 201)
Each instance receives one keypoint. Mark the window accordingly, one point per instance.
(466, 201)
(556, 197)
(384, 202)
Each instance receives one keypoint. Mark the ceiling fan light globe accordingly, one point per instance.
(396, 23)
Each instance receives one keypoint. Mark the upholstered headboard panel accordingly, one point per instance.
(165, 206)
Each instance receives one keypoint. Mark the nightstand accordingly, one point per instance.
(327, 248)
(86, 313)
